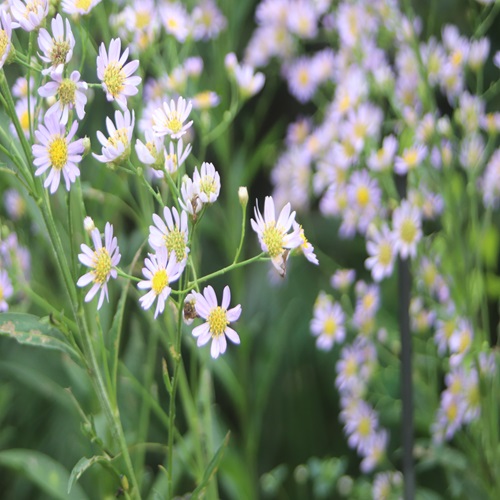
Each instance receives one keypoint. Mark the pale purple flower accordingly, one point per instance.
(171, 234)
(274, 236)
(342, 279)
(5, 36)
(58, 48)
(218, 318)
(57, 152)
(175, 20)
(6, 290)
(379, 245)
(207, 182)
(327, 323)
(115, 75)
(407, 229)
(160, 270)
(102, 261)
(411, 158)
(116, 148)
(208, 20)
(170, 118)
(29, 14)
(78, 7)
(190, 201)
(70, 94)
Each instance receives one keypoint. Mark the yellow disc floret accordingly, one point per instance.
(174, 123)
(4, 41)
(385, 253)
(67, 91)
(58, 153)
(102, 265)
(59, 52)
(159, 281)
(408, 231)
(114, 79)
(273, 239)
(175, 242)
(217, 321)
(83, 4)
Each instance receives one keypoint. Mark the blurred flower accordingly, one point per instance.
(217, 319)
(343, 279)
(305, 247)
(169, 119)
(190, 201)
(160, 270)
(379, 245)
(273, 234)
(176, 20)
(116, 148)
(58, 48)
(6, 290)
(78, 7)
(102, 261)
(302, 78)
(205, 100)
(410, 159)
(173, 235)
(15, 206)
(57, 152)
(328, 322)
(115, 75)
(407, 230)
(208, 20)
(152, 152)
(70, 94)
(29, 14)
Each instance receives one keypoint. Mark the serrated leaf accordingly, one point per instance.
(211, 470)
(30, 330)
(81, 466)
(50, 476)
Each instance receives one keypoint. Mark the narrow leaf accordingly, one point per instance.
(50, 476)
(81, 466)
(211, 470)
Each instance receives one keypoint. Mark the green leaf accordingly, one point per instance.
(81, 466)
(211, 470)
(30, 330)
(50, 476)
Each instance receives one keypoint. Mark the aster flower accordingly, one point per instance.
(78, 7)
(6, 290)
(273, 234)
(361, 424)
(208, 20)
(116, 148)
(171, 234)
(57, 152)
(102, 261)
(379, 246)
(169, 119)
(410, 159)
(249, 82)
(70, 94)
(5, 36)
(305, 247)
(205, 100)
(15, 206)
(190, 201)
(58, 48)
(152, 152)
(176, 20)
(29, 14)
(207, 182)
(160, 270)
(328, 322)
(217, 319)
(342, 279)
(174, 159)
(115, 75)
(407, 229)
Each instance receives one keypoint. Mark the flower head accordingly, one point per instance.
(116, 148)
(115, 75)
(58, 48)
(29, 14)
(207, 182)
(169, 119)
(273, 234)
(328, 322)
(218, 318)
(171, 234)
(160, 270)
(57, 152)
(78, 7)
(407, 229)
(70, 94)
(102, 261)
(381, 254)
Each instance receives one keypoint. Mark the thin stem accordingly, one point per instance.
(243, 228)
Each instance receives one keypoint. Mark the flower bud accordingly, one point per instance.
(88, 224)
(243, 196)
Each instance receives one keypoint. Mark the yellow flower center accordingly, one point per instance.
(58, 153)
(452, 411)
(119, 136)
(411, 158)
(204, 99)
(430, 273)
(464, 342)
(303, 77)
(208, 185)
(408, 231)
(1, 293)
(217, 321)
(32, 7)
(385, 253)
(25, 120)
(364, 426)
(159, 281)
(360, 130)
(102, 265)
(173, 123)
(456, 58)
(329, 327)
(172, 23)
(351, 367)
(83, 4)
(142, 19)
(363, 196)
(368, 301)
(273, 239)
(59, 52)
(4, 41)
(448, 328)
(345, 103)
(114, 78)
(67, 91)
(174, 241)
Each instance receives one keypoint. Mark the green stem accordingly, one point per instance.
(243, 228)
